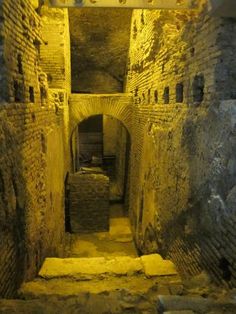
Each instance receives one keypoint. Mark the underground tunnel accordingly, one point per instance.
(118, 156)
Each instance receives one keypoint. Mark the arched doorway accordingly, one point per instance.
(102, 143)
(98, 183)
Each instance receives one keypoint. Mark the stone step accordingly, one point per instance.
(69, 287)
(95, 285)
(73, 276)
(82, 268)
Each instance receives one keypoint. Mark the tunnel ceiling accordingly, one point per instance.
(99, 47)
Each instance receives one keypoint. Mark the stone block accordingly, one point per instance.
(155, 265)
(180, 303)
(87, 267)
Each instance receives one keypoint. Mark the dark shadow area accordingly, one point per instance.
(224, 266)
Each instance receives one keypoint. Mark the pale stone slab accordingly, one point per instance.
(72, 267)
(154, 265)
(124, 265)
(61, 267)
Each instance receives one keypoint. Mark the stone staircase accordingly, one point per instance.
(101, 285)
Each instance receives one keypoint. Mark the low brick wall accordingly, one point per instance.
(89, 202)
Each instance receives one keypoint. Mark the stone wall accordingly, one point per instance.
(89, 202)
(33, 166)
(183, 182)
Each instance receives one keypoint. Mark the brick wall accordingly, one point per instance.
(34, 135)
(32, 176)
(118, 106)
(20, 31)
(3, 70)
(182, 161)
(89, 202)
(55, 47)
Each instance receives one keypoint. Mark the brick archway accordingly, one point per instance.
(84, 106)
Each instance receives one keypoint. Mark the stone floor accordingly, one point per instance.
(117, 242)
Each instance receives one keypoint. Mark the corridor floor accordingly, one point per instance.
(117, 242)
(102, 274)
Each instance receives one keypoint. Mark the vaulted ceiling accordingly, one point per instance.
(99, 45)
